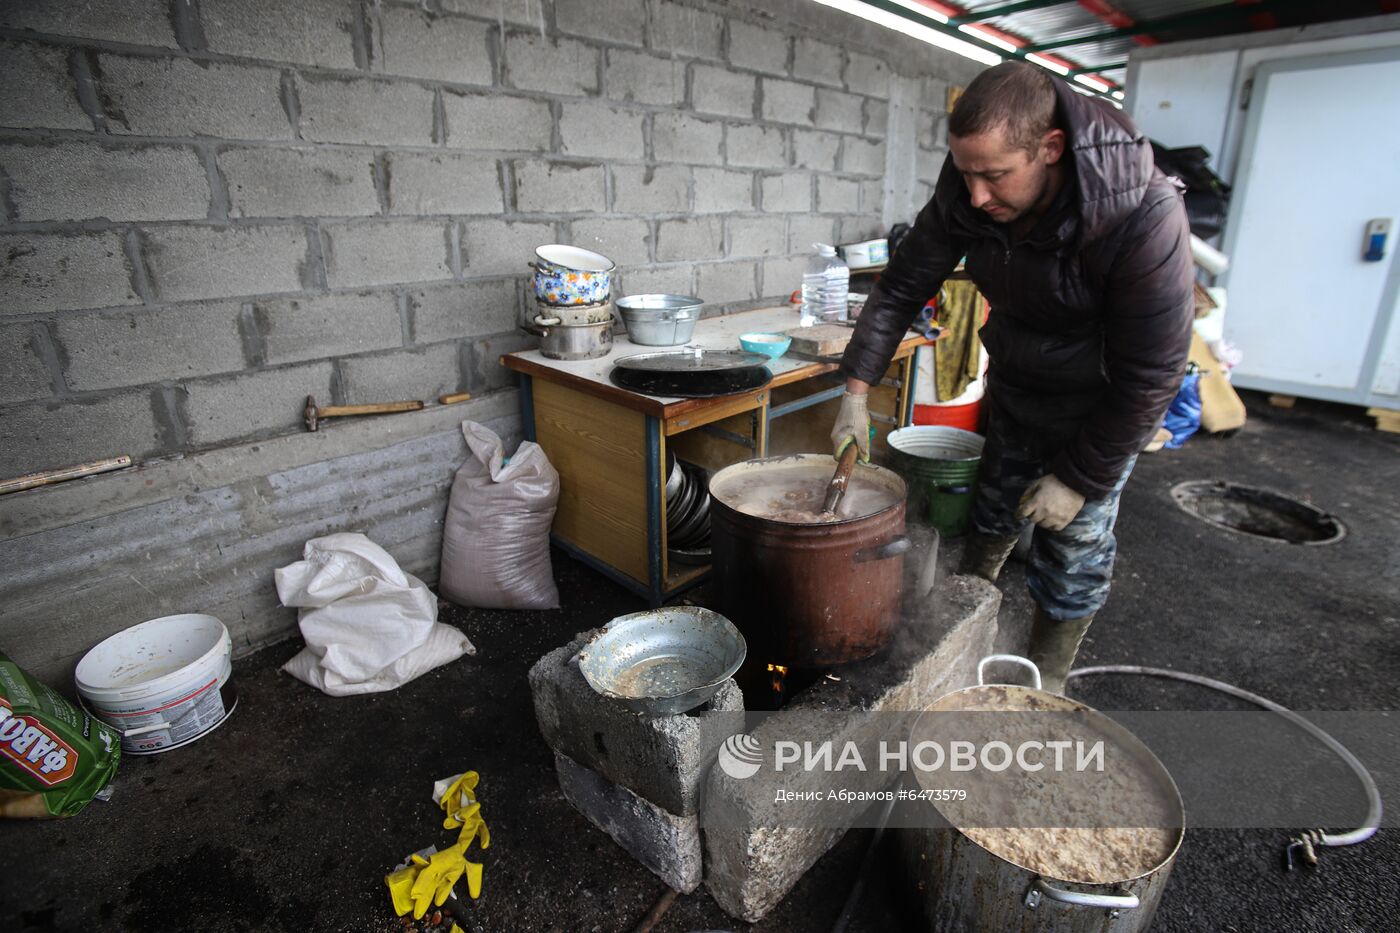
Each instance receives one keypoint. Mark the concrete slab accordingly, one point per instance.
(663, 760)
(668, 845)
(754, 856)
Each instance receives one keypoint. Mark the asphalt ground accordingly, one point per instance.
(288, 816)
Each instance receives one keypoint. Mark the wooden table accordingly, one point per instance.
(610, 444)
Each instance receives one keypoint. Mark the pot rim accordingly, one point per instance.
(899, 502)
(1065, 704)
(604, 264)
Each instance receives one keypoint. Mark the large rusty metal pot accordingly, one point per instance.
(808, 594)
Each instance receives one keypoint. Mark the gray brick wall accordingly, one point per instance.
(208, 211)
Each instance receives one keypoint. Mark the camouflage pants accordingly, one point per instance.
(1069, 571)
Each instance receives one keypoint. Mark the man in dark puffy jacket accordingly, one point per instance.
(1082, 249)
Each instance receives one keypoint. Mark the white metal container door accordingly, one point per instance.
(1325, 158)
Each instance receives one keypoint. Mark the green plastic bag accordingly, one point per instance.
(54, 757)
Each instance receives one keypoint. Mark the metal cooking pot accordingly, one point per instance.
(809, 594)
(662, 662)
(574, 341)
(568, 275)
(967, 888)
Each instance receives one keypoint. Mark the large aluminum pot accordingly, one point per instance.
(967, 888)
(574, 341)
(808, 594)
(568, 275)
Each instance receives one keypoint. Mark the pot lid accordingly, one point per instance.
(695, 383)
(691, 360)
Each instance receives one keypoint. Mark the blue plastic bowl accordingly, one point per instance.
(770, 345)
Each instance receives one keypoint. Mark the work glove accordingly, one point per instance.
(462, 809)
(852, 425)
(436, 876)
(460, 795)
(1050, 504)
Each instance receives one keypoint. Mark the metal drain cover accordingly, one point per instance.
(1260, 513)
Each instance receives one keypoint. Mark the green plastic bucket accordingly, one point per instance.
(939, 464)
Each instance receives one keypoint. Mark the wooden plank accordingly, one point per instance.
(684, 573)
(541, 372)
(820, 340)
(599, 449)
(717, 410)
(1387, 419)
(714, 453)
(810, 371)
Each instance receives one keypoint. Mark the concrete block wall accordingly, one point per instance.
(210, 210)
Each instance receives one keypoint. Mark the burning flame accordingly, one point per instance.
(779, 672)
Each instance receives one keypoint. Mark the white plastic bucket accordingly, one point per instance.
(937, 442)
(161, 684)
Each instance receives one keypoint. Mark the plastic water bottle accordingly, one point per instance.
(825, 285)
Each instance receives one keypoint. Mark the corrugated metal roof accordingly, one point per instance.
(1097, 24)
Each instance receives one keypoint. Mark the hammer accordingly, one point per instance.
(314, 414)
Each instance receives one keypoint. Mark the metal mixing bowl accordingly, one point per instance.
(663, 662)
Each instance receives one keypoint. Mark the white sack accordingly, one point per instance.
(495, 540)
(368, 626)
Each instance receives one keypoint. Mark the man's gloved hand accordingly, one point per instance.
(852, 424)
(1050, 503)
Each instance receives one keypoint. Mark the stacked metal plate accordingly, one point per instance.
(687, 514)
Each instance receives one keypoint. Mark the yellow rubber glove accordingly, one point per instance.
(400, 887)
(459, 795)
(436, 876)
(474, 873)
(473, 827)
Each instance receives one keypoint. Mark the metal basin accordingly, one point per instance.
(659, 320)
(663, 662)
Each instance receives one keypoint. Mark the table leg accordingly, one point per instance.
(908, 379)
(761, 421)
(527, 406)
(656, 583)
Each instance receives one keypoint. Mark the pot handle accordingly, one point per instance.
(1122, 900)
(1010, 659)
(892, 548)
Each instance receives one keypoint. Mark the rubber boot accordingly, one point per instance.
(984, 555)
(1053, 647)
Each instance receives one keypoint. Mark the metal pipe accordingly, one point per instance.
(953, 31)
(1307, 840)
(1166, 24)
(658, 910)
(986, 13)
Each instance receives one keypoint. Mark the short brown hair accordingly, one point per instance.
(1016, 96)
